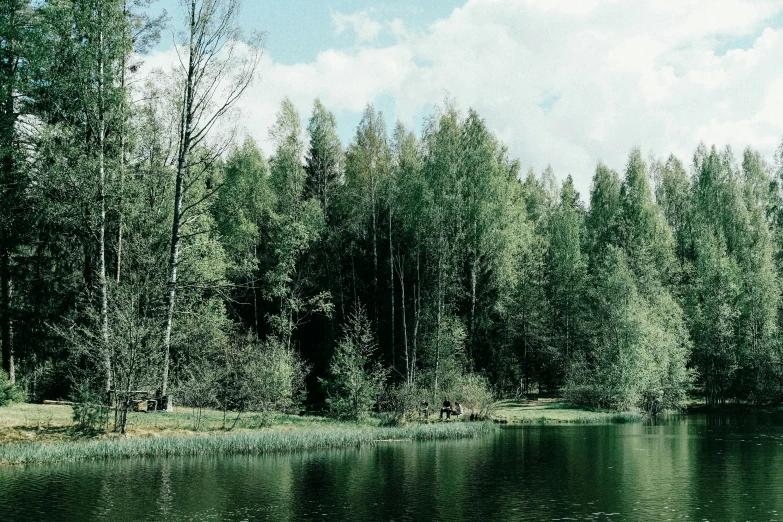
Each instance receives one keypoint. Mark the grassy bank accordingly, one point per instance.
(49, 423)
(552, 411)
(241, 443)
(42, 434)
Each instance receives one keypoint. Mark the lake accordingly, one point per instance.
(695, 467)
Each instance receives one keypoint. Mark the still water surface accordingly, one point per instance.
(683, 468)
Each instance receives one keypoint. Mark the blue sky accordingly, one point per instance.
(561, 82)
(297, 30)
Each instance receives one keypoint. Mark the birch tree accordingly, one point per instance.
(216, 67)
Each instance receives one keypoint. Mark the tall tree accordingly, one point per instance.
(216, 70)
(324, 156)
(297, 224)
(367, 164)
(407, 198)
(17, 43)
(241, 211)
(567, 272)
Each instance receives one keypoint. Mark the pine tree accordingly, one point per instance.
(566, 278)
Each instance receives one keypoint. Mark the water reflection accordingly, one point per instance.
(689, 468)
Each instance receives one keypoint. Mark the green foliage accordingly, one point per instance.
(638, 347)
(475, 280)
(241, 207)
(640, 362)
(252, 443)
(474, 393)
(404, 402)
(295, 227)
(324, 157)
(244, 375)
(355, 381)
(90, 412)
(276, 378)
(567, 273)
(9, 392)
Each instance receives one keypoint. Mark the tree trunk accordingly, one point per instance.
(255, 311)
(182, 167)
(472, 342)
(524, 350)
(8, 116)
(401, 275)
(102, 202)
(5, 311)
(353, 281)
(341, 284)
(417, 314)
(391, 291)
(122, 157)
(374, 247)
(255, 296)
(439, 319)
(122, 161)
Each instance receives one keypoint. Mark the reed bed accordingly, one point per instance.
(243, 443)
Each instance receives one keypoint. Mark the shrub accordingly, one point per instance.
(8, 392)
(89, 412)
(355, 381)
(198, 390)
(402, 402)
(476, 396)
(472, 391)
(276, 376)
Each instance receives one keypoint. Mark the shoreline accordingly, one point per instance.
(32, 433)
(264, 441)
(556, 411)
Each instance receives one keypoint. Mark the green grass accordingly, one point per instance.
(245, 443)
(49, 423)
(558, 412)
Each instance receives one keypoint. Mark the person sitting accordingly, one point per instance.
(425, 410)
(457, 409)
(446, 409)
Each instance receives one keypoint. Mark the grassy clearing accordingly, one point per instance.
(49, 423)
(244, 443)
(552, 411)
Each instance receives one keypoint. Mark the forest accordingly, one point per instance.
(145, 243)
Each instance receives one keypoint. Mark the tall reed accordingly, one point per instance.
(248, 443)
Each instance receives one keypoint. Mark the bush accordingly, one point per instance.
(244, 375)
(8, 392)
(276, 376)
(355, 382)
(472, 391)
(402, 402)
(89, 412)
(476, 396)
(198, 390)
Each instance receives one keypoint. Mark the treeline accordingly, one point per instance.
(142, 247)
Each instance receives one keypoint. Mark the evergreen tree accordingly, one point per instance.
(355, 380)
(566, 278)
(324, 157)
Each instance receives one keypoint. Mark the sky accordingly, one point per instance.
(566, 83)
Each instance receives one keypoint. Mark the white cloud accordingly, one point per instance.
(366, 29)
(623, 73)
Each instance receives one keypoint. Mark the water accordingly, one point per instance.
(684, 468)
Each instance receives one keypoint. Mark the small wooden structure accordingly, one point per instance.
(145, 405)
(143, 400)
